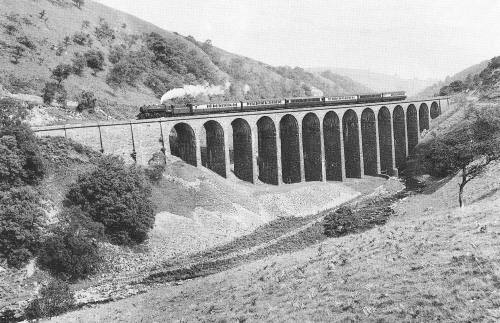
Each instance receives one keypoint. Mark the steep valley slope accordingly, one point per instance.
(140, 61)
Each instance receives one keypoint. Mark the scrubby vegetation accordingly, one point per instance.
(54, 299)
(119, 197)
(467, 149)
(71, 252)
(484, 82)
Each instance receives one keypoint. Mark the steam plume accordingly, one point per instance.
(194, 90)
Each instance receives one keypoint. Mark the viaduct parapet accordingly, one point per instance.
(273, 146)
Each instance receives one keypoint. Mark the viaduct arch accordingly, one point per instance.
(274, 147)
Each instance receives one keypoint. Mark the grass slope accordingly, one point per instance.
(433, 261)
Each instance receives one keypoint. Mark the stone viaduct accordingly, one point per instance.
(274, 146)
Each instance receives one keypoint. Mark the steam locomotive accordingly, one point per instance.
(165, 111)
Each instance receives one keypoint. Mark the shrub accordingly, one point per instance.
(116, 54)
(20, 158)
(86, 101)
(21, 220)
(124, 72)
(54, 91)
(82, 39)
(28, 43)
(117, 196)
(339, 223)
(55, 299)
(78, 64)
(79, 3)
(156, 167)
(61, 72)
(70, 255)
(104, 31)
(95, 60)
(17, 54)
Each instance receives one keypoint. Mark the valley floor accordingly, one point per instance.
(431, 262)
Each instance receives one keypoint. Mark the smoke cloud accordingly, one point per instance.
(246, 88)
(195, 90)
(316, 92)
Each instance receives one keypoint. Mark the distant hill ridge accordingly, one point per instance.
(141, 60)
(481, 80)
(460, 76)
(378, 81)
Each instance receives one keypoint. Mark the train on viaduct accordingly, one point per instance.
(315, 143)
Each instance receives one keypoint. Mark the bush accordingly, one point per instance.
(79, 3)
(339, 223)
(54, 91)
(95, 60)
(86, 101)
(156, 167)
(21, 220)
(116, 54)
(117, 196)
(20, 158)
(104, 31)
(28, 43)
(55, 299)
(61, 72)
(124, 72)
(70, 255)
(82, 39)
(78, 64)
(17, 54)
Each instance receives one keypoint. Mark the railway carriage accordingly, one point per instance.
(263, 104)
(164, 111)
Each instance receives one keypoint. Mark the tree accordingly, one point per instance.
(79, 3)
(20, 158)
(21, 220)
(86, 101)
(61, 72)
(467, 150)
(95, 60)
(78, 64)
(55, 299)
(17, 54)
(70, 255)
(117, 196)
(54, 91)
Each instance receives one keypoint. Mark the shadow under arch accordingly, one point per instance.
(182, 141)
(242, 150)
(351, 144)
(290, 149)
(215, 158)
(423, 117)
(369, 141)
(333, 153)
(398, 122)
(267, 159)
(311, 141)
(412, 128)
(385, 140)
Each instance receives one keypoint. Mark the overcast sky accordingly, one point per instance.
(417, 38)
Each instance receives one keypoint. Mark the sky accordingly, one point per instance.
(412, 39)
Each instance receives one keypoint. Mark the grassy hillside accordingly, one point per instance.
(460, 76)
(481, 82)
(141, 61)
(431, 262)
